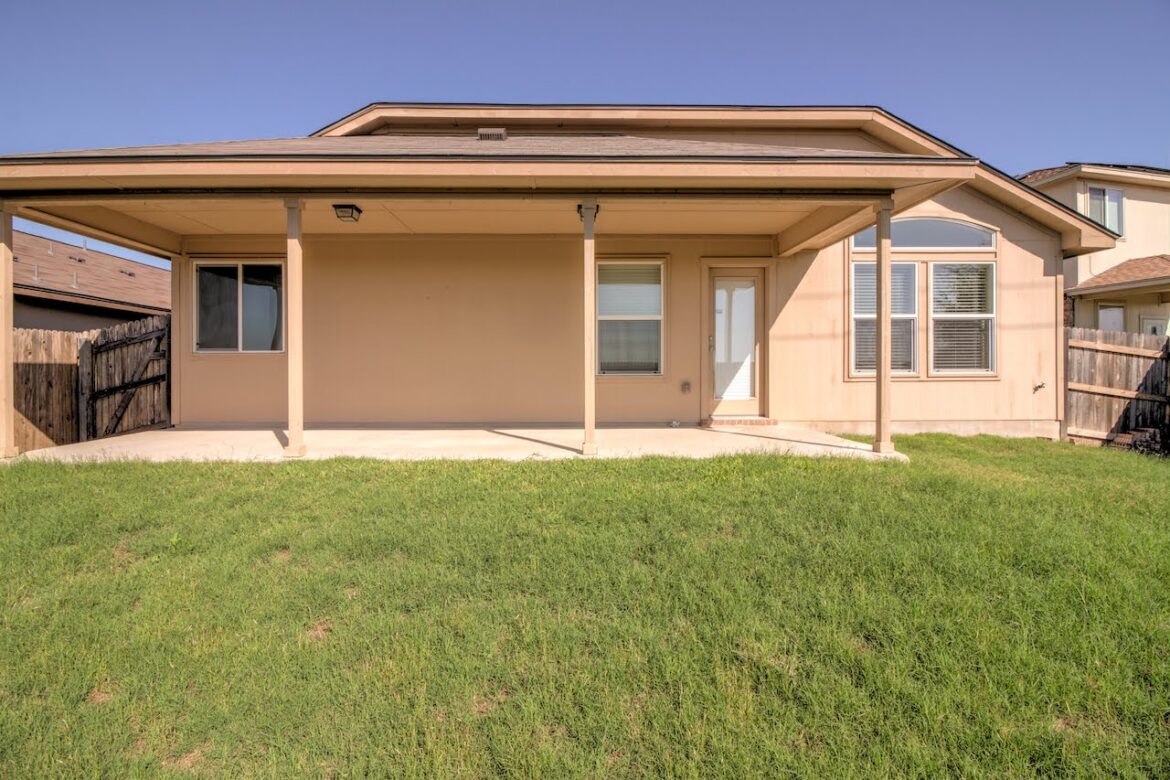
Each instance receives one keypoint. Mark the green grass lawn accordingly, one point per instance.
(994, 608)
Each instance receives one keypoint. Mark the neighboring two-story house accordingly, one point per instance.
(1127, 287)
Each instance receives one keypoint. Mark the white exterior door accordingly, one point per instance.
(734, 341)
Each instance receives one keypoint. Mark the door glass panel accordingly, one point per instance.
(735, 339)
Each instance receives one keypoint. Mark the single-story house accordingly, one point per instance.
(61, 286)
(835, 267)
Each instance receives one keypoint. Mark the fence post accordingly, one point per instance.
(85, 421)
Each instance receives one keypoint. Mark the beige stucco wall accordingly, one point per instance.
(808, 341)
(455, 329)
(487, 329)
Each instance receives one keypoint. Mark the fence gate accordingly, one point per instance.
(123, 378)
(1117, 384)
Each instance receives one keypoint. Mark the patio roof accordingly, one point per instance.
(467, 145)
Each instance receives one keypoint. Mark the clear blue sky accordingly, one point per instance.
(1018, 83)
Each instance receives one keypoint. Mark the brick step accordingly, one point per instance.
(714, 422)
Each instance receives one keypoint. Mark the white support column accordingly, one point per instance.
(7, 356)
(588, 211)
(882, 441)
(294, 339)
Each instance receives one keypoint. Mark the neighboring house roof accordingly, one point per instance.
(1040, 174)
(1048, 175)
(1138, 272)
(53, 270)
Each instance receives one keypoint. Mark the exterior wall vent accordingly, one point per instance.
(493, 134)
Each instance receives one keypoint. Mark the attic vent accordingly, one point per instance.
(128, 273)
(493, 134)
(77, 258)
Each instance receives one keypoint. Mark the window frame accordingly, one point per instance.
(660, 317)
(239, 266)
(1120, 229)
(993, 317)
(924, 249)
(854, 316)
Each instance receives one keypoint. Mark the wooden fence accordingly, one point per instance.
(1117, 384)
(46, 387)
(76, 386)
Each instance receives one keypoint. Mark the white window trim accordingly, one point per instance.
(1120, 205)
(922, 249)
(854, 317)
(993, 317)
(660, 317)
(239, 266)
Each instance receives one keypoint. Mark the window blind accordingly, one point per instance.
(962, 345)
(963, 317)
(904, 322)
(629, 346)
(962, 289)
(903, 294)
(629, 313)
(903, 345)
(627, 289)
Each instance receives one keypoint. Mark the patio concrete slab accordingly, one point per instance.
(512, 443)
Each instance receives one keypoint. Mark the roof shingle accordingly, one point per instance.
(467, 145)
(44, 267)
(1136, 271)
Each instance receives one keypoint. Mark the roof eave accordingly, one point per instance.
(1142, 284)
(1079, 234)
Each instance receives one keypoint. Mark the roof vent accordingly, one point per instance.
(493, 134)
(77, 258)
(128, 273)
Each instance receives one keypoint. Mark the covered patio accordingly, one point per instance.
(255, 444)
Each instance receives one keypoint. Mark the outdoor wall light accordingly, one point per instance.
(347, 212)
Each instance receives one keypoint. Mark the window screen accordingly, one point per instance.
(963, 317)
(629, 314)
(903, 325)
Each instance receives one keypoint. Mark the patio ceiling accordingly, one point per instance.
(252, 216)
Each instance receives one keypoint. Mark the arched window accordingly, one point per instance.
(930, 233)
